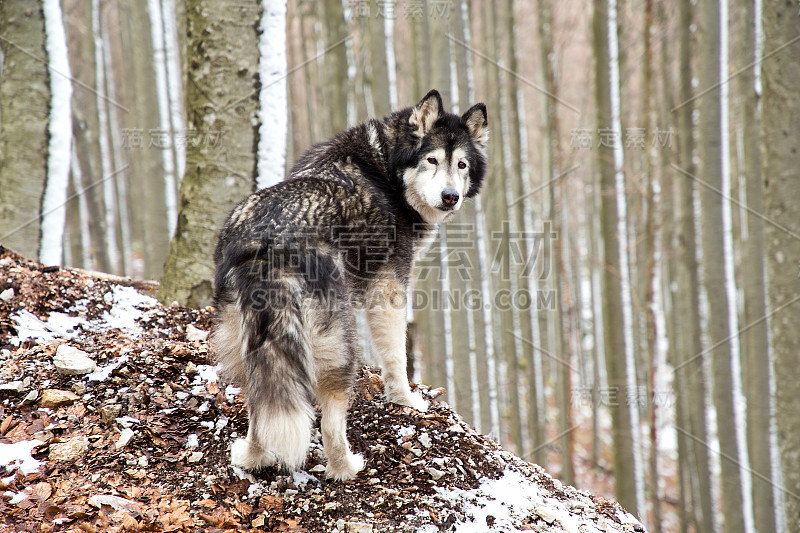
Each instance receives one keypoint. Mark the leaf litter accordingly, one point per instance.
(143, 442)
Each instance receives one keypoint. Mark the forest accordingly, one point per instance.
(619, 305)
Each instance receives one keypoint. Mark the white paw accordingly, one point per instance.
(411, 399)
(240, 453)
(242, 456)
(354, 463)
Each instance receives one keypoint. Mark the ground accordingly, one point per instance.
(142, 441)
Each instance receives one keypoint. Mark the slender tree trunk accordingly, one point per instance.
(755, 345)
(712, 197)
(335, 61)
(690, 379)
(221, 97)
(618, 347)
(25, 105)
(781, 178)
(54, 201)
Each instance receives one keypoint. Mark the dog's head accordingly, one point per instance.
(444, 159)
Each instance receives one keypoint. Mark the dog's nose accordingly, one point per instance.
(450, 197)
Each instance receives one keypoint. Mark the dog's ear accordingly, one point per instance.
(426, 112)
(477, 124)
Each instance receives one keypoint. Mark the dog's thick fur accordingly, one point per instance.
(294, 259)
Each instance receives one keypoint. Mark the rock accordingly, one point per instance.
(109, 413)
(194, 334)
(71, 361)
(358, 527)
(455, 428)
(53, 398)
(31, 396)
(195, 457)
(545, 514)
(7, 295)
(78, 388)
(124, 438)
(70, 451)
(435, 473)
(117, 503)
(191, 369)
(425, 440)
(14, 386)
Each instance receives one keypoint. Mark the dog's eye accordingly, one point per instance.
(462, 165)
(432, 161)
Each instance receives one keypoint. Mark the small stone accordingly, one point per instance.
(425, 440)
(71, 361)
(545, 514)
(435, 473)
(14, 386)
(31, 396)
(124, 438)
(374, 481)
(108, 413)
(191, 369)
(78, 388)
(416, 451)
(195, 457)
(358, 527)
(69, 451)
(317, 468)
(340, 524)
(115, 502)
(7, 295)
(331, 506)
(194, 334)
(53, 398)
(455, 428)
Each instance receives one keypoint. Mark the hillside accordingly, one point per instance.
(113, 419)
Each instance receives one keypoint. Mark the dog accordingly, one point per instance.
(295, 259)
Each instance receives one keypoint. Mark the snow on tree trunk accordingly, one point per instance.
(173, 68)
(54, 208)
(273, 111)
(166, 134)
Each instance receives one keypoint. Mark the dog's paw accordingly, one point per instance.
(347, 469)
(411, 399)
(242, 456)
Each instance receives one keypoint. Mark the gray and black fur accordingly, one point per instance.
(294, 259)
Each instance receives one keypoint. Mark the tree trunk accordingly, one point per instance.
(627, 469)
(755, 345)
(780, 124)
(221, 97)
(25, 105)
(712, 197)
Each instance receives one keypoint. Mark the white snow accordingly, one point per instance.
(18, 456)
(514, 499)
(59, 150)
(29, 326)
(124, 313)
(103, 373)
(272, 114)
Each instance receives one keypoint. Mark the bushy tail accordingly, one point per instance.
(263, 347)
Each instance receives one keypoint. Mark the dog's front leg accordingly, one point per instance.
(386, 315)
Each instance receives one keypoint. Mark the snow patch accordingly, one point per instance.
(124, 311)
(31, 327)
(103, 373)
(18, 456)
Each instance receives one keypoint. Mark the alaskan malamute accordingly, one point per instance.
(294, 259)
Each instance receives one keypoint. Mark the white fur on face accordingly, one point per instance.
(425, 183)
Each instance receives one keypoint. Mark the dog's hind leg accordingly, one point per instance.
(335, 361)
(279, 376)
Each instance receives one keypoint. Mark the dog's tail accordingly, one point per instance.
(263, 347)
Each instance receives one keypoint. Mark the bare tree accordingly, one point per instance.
(781, 179)
(222, 106)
